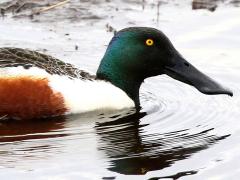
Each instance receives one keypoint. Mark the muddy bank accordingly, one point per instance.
(77, 10)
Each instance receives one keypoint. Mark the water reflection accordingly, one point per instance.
(124, 141)
(175, 176)
(11, 131)
(132, 151)
(24, 143)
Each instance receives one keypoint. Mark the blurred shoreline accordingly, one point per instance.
(77, 10)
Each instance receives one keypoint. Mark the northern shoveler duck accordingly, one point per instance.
(35, 85)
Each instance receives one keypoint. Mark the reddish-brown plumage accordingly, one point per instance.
(29, 98)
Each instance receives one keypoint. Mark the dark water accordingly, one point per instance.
(179, 133)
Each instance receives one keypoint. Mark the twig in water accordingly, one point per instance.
(50, 7)
(3, 117)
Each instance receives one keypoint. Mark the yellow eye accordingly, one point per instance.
(149, 42)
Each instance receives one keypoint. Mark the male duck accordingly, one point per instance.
(34, 85)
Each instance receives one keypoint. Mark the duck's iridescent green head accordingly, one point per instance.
(140, 52)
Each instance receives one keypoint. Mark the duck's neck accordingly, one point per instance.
(126, 81)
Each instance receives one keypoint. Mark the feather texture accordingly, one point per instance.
(70, 90)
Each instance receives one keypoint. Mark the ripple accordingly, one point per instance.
(134, 149)
(177, 124)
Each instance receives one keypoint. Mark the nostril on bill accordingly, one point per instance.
(186, 64)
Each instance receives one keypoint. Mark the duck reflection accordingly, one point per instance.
(11, 131)
(129, 148)
(131, 151)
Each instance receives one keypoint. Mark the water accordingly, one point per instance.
(180, 133)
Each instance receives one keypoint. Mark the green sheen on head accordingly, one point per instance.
(137, 53)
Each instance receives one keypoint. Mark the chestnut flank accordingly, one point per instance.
(27, 98)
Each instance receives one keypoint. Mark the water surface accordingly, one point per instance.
(179, 133)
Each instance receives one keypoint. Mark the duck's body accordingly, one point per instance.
(30, 89)
(34, 85)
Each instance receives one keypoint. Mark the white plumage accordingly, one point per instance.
(79, 95)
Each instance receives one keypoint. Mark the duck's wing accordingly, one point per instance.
(14, 57)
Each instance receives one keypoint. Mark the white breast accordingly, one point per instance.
(84, 95)
(79, 95)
